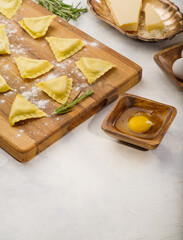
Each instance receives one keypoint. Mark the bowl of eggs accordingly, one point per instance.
(170, 61)
(138, 121)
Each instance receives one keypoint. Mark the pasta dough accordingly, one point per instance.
(93, 68)
(9, 7)
(32, 68)
(22, 109)
(63, 47)
(38, 26)
(58, 88)
(3, 85)
(4, 43)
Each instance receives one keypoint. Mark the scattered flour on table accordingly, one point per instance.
(8, 93)
(7, 66)
(82, 85)
(4, 21)
(41, 103)
(21, 130)
(19, 46)
(99, 83)
(51, 76)
(85, 42)
(11, 32)
(22, 87)
(80, 74)
(60, 65)
(22, 51)
(69, 61)
(18, 135)
(77, 88)
(17, 49)
(43, 44)
(93, 44)
(48, 77)
(76, 71)
(31, 93)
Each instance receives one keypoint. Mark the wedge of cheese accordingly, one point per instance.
(152, 19)
(125, 13)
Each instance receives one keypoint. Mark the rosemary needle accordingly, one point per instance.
(61, 9)
(67, 107)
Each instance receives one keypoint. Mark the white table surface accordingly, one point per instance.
(88, 186)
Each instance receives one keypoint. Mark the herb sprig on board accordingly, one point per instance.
(63, 10)
(67, 107)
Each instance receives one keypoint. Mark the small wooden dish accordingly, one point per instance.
(168, 11)
(126, 106)
(165, 60)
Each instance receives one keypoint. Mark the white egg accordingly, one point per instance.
(177, 68)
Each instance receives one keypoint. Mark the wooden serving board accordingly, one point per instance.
(28, 138)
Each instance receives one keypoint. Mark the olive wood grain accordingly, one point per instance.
(165, 60)
(161, 115)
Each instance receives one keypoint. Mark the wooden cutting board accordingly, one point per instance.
(28, 138)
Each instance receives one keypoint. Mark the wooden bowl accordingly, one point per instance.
(165, 60)
(128, 105)
(169, 12)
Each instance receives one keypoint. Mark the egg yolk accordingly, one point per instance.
(139, 124)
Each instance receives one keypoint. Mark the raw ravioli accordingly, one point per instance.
(9, 7)
(38, 26)
(63, 47)
(22, 109)
(58, 88)
(32, 68)
(3, 85)
(4, 43)
(93, 68)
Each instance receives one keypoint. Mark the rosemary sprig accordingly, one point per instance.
(67, 107)
(61, 9)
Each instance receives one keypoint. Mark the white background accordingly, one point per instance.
(88, 186)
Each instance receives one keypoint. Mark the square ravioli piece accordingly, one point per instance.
(93, 68)
(38, 26)
(3, 85)
(9, 7)
(22, 109)
(58, 88)
(4, 43)
(64, 47)
(32, 68)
